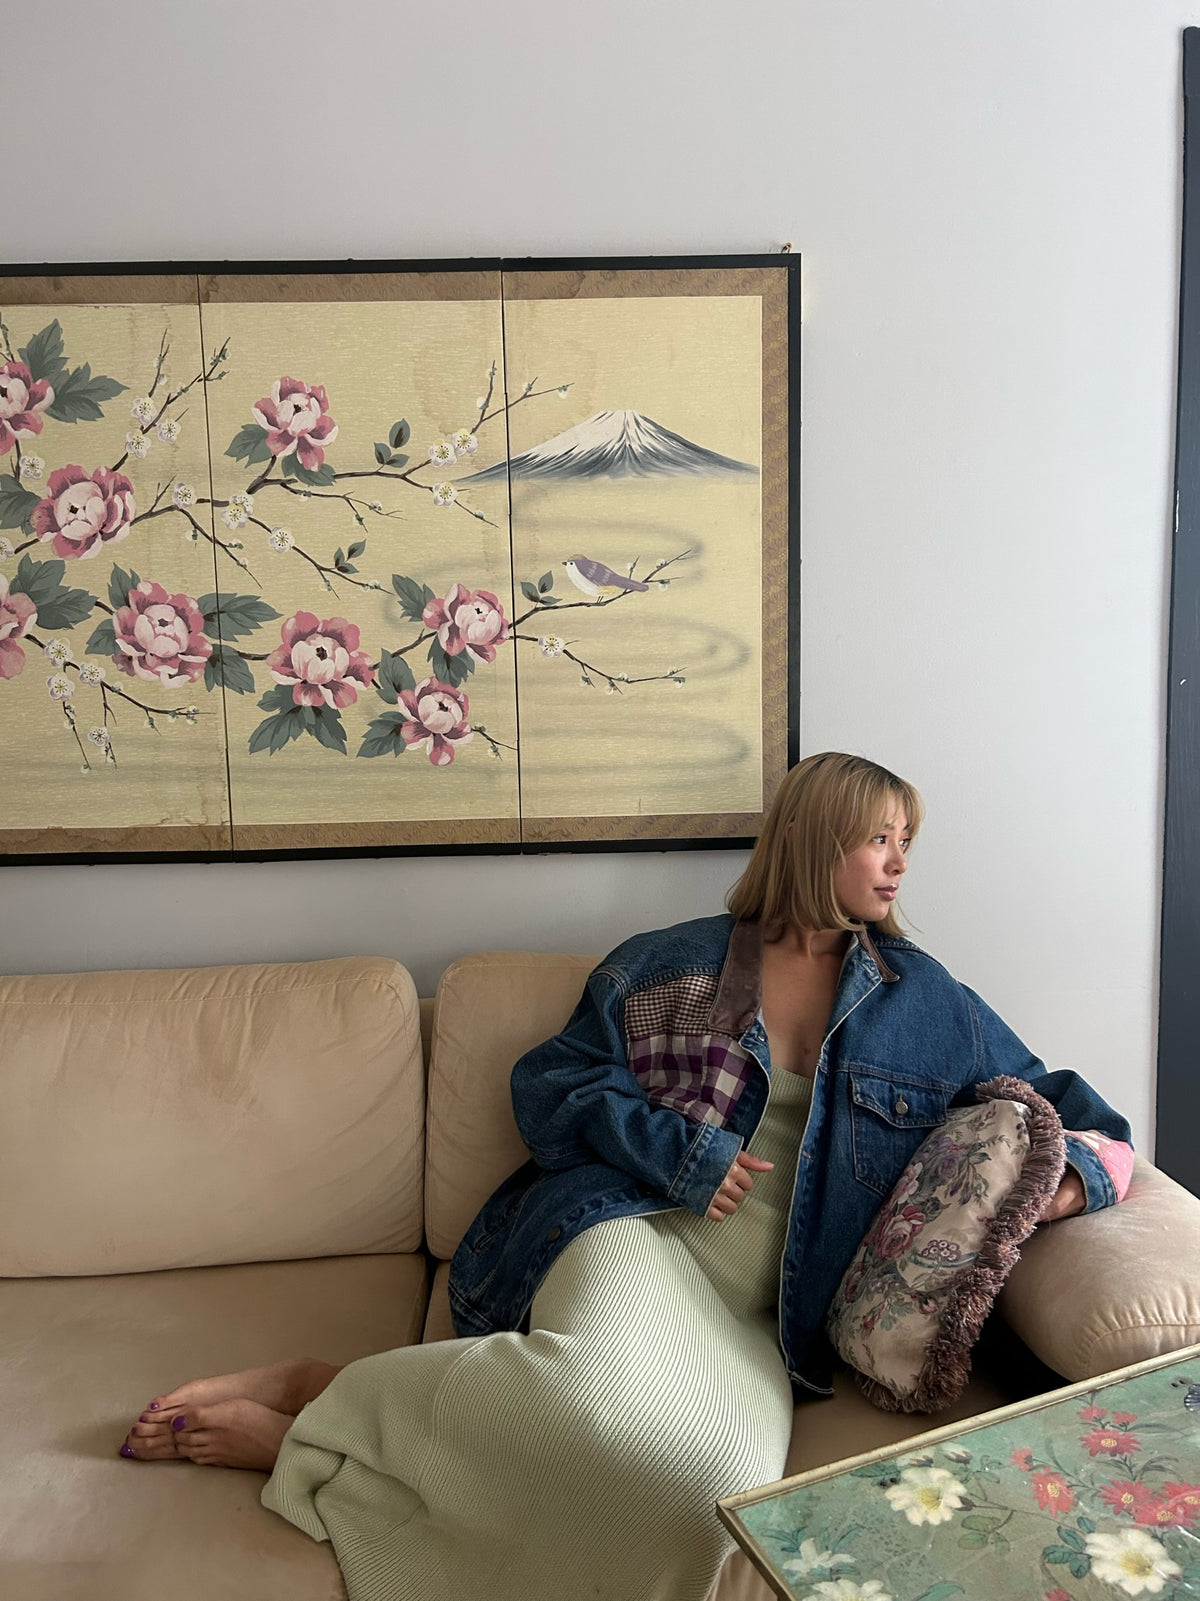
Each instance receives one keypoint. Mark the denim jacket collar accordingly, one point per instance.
(739, 993)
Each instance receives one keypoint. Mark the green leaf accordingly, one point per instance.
(452, 670)
(40, 580)
(398, 434)
(530, 593)
(316, 479)
(231, 616)
(1071, 1537)
(277, 699)
(1086, 1523)
(972, 1541)
(393, 675)
(550, 600)
(66, 608)
(16, 504)
(225, 669)
(43, 355)
(545, 583)
(356, 549)
(1001, 1544)
(1057, 1555)
(982, 1524)
(383, 454)
(119, 585)
(103, 640)
(383, 736)
(942, 1592)
(273, 733)
(397, 461)
(413, 597)
(249, 444)
(326, 727)
(77, 397)
(1080, 1567)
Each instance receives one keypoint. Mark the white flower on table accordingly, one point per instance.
(168, 430)
(926, 1495)
(441, 453)
(31, 466)
(849, 1590)
(444, 494)
(136, 444)
(142, 409)
(1132, 1559)
(812, 1562)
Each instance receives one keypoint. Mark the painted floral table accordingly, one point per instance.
(1089, 1492)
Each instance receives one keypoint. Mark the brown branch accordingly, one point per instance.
(615, 681)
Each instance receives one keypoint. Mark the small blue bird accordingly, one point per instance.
(594, 578)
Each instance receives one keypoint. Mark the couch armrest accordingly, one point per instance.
(1095, 1293)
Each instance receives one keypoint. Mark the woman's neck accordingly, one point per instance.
(811, 943)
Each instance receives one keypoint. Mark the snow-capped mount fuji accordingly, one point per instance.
(615, 444)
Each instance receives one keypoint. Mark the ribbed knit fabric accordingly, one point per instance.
(584, 1458)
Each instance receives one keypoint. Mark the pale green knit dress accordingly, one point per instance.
(584, 1458)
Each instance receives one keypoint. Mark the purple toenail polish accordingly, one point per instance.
(153, 1407)
(126, 1450)
(179, 1422)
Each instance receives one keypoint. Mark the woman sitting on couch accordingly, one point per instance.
(638, 1305)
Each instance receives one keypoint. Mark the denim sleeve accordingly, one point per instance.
(998, 1050)
(576, 1100)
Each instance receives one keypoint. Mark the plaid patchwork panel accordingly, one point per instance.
(674, 1055)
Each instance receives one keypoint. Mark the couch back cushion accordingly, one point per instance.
(491, 1007)
(179, 1118)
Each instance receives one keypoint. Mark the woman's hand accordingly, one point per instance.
(1067, 1200)
(736, 1185)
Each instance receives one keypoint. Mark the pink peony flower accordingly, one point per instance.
(464, 621)
(17, 616)
(160, 637)
(437, 720)
(296, 417)
(20, 402)
(899, 1232)
(319, 660)
(84, 512)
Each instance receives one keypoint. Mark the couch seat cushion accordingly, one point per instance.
(79, 1358)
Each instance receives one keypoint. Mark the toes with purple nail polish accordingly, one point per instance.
(127, 1450)
(179, 1423)
(153, 1407)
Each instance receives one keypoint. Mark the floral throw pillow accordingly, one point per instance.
(913, 1300)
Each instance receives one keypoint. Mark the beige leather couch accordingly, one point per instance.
(206, 1169)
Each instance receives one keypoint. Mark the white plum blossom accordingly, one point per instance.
(812, 1562)
(441, 453)
(168, 429)
(480, 402)
(377, 507)
(243, 502)
(31, 466)
(142, 409)
(281, 539)
(561, 391)
(136, 445)
(925, 1495)
(99, 737)
(7, 549)
(444, 494)
(90, 673)
(465, 442)
(1132, 1559)
(60, 686)
(57, 651)
(183, 494)
(849, 1590)
(233, 517)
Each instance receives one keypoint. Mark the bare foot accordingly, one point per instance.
(282, 1387)
(232, 1433)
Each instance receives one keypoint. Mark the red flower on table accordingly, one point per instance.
(296, 417)
(1127, 1496)
(1058, 1595)
(1158, 1514)
(1178, 1505)
(84, 511)
(18, 614)
(1107, 1441)
(474, 622)
(160, 637)
(1022, 1458)
(1186, 1497)
(1052, 1492)
(21, 399)
(1122, 1420)
(437, 720)
(1093, 1414)
(320, 660)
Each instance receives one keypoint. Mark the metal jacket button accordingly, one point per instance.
(901, 1106)
(553, 1234)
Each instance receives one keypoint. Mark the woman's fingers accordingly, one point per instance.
(755, 1163)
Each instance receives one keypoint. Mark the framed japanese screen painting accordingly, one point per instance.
(388, 557)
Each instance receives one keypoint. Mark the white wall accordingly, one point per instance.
(985, 196)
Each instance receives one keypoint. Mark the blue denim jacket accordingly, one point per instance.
(660, 1077)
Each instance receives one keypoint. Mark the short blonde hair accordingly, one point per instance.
(826, 807)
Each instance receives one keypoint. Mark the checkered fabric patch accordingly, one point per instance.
(681, 1004)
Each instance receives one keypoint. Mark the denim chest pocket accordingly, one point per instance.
(889, 1118)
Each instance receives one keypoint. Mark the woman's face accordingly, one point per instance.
(866, 882)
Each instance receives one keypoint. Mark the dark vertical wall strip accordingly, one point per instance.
(1178, 1100)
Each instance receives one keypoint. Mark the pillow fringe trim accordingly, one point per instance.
(947, 1364)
